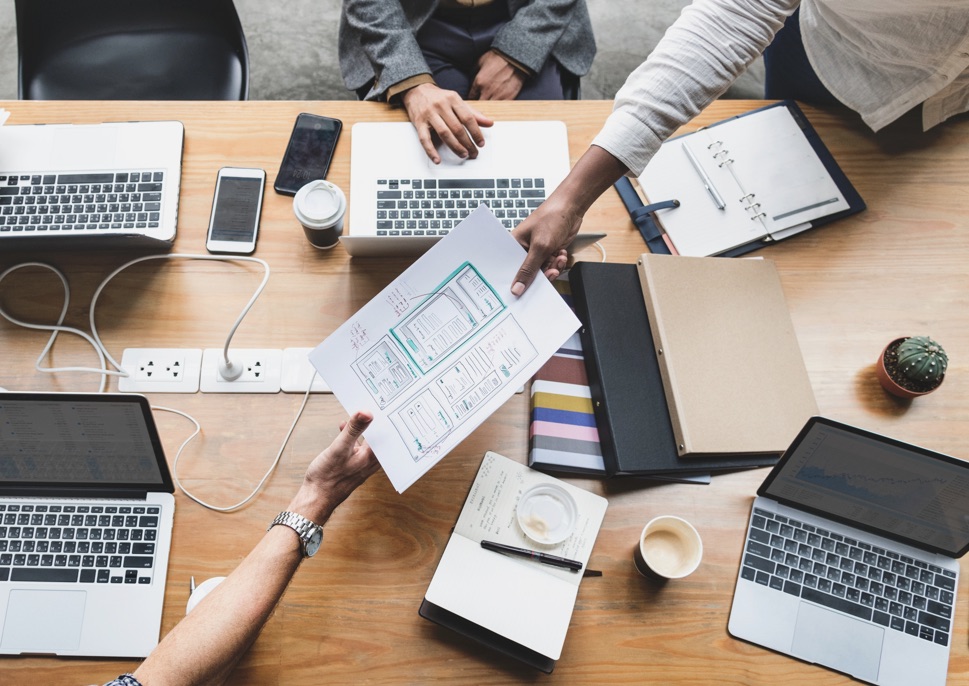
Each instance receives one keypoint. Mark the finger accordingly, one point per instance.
(470, 120)
(357, 424)
(527, 272)
(447, 135)
(427, 142)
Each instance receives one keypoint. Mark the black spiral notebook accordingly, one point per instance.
(740, 184)
(629, 402)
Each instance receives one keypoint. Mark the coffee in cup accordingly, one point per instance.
(320, 207)
(669, 548)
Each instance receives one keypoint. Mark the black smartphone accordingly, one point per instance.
(236, 207)
(309, 152)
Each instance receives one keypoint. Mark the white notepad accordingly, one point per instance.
(519, 599)
(762, 169)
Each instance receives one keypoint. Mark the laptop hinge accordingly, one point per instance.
(101, 493)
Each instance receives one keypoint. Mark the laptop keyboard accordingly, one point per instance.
(100, 202)
(844, 574)
(91, 544)
(432, 207)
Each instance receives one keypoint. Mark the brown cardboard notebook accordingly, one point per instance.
(732, 370)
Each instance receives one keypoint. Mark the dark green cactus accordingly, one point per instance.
(922, 360)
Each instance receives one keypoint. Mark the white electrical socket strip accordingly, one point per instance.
(160, 370)
(261, 371)
(297, 372)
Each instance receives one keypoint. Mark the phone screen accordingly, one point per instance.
(309, 152)
(236, 209)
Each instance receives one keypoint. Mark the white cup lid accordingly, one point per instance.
(319, 204)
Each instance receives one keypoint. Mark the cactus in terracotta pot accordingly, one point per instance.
(912, 366)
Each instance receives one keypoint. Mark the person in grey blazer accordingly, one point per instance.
(431, 55)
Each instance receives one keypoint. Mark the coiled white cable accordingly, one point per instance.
(58, 328)
(104, 356)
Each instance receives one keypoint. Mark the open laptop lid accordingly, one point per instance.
(890, 488)
(80, 445)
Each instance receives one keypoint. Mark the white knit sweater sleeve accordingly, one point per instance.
(702, 53)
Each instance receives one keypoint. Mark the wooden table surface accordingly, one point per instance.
(350, 615)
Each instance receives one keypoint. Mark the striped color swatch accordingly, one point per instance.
(563, 435)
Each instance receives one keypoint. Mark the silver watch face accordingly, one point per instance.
(312, 545)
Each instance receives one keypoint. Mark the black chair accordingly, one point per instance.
(131, 50)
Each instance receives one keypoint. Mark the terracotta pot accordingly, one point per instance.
(888, 383)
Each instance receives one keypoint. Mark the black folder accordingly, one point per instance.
(624, 377)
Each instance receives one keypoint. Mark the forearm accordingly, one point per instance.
(591, 176)
(206, 645)
(706, 49)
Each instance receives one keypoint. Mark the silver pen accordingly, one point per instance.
(707, 181)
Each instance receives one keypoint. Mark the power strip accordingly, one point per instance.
(297, 372)
(161, 370)
(261, 373)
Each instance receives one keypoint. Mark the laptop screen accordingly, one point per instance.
(55, 440)
(888, 487)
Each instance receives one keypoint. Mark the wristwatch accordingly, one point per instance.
(310, 534)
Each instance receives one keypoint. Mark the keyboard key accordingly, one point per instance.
(839, 604)
(52, 574)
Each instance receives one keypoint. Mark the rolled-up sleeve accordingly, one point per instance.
(703, 52)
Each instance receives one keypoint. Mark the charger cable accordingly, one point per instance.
(104, 356)
(59, 328)
(269, 472)
(228, 369)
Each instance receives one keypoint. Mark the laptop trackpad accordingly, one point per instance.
(43, 621)
(843, 643)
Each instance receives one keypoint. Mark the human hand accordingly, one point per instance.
(337, 471)
(436, 111)
(497, 79)
(545, 234)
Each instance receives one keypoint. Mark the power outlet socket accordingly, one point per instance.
(160, 370)
(261, 371)
(298, 371)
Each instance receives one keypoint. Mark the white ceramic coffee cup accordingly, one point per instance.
(669, 548)
(320, 207)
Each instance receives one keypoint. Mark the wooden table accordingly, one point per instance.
(350, 615)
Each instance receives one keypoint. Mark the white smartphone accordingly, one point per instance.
(236, 207)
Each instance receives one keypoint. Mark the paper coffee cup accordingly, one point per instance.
(320, 206)
(669, 548)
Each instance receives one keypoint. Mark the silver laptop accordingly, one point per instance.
(86, 512)
(90, 185)
(401, 203)
(850, 557)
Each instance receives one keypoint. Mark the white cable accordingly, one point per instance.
(188, 256)
(601, 248)
(94, 339)
(269, 472)
(58, 328)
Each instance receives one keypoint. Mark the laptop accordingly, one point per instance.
(401, 203)
(86, 510)
(850, 557)
(66, 186)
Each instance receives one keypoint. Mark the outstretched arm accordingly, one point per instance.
(552, 226)
(706, 49)
(205, 646)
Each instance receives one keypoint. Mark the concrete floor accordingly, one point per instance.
(292, 48)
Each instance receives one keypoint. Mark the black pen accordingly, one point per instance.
(544, 558)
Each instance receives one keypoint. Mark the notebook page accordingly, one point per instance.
(697, 227)
(768, 153)
(770, 180)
